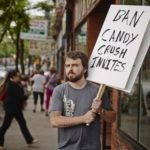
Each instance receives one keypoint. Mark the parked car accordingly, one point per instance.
(3, 73)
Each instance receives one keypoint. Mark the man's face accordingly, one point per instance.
(74, 69)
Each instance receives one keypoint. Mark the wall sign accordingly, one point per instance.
(38, 30)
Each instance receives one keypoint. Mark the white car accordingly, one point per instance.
(3, 73)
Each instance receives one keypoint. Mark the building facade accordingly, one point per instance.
(84, 19)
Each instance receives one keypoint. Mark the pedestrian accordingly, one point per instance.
(50, 85)
(38, 85)
(26, 87)
(2, 97)
(74, 106)
(13, 107)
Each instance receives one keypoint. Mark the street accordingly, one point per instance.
(39, 126)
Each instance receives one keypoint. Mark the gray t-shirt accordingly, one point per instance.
(76, 102)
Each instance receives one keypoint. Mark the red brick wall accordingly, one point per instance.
(118, 143)
(94, 24)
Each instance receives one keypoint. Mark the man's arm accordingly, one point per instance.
(59, 121)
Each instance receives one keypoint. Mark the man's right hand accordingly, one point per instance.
(89, 117)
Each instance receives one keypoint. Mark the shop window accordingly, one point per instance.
(144, 123)
(135, 107)
(81, 38)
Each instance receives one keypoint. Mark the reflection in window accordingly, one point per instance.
(145, 119)
(81, 38)
(135, 107)
(129, 110)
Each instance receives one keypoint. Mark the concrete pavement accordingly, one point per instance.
(40, 128)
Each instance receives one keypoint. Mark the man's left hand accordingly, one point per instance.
(96, 105)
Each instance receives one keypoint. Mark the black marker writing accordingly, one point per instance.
(118, 36)
(109, 49)
(126, 16)
(108, 64)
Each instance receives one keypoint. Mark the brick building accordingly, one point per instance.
(84, 19)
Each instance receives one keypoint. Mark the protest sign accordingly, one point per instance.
(121, 47)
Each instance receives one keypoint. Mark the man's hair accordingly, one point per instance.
(79, 55)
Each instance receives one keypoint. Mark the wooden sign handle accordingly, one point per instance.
(99, 95)
(100, 91)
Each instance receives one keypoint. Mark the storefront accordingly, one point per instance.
(130, 131)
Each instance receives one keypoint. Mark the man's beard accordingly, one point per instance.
(76, 78)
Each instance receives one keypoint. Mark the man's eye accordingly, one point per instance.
(67, 66)
(75, 65)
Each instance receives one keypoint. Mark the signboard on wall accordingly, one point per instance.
(39, 47)
(121, 46)
(38, 30)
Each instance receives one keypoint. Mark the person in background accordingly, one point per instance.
(38, 84)
(13, 105)
(26, 87)
(74, 109)
(51, 84)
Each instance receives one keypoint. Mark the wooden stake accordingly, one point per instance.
(100, 91)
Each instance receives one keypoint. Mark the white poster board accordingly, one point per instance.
(38, 30)
(121, 46)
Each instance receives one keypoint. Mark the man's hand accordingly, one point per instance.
(89, 117)
(96, 105)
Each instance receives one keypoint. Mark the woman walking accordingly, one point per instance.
(38, 81)
(51, 84)
(13, 106)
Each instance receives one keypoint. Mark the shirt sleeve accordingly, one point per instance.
(57, 100)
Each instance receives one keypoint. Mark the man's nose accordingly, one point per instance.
(71, 67)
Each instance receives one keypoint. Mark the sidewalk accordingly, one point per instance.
(40, 128)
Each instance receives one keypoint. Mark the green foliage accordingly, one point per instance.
(7, 49)
(133, 2)
(137, 2)
(147, 2)
(44, 6)
(13, 11)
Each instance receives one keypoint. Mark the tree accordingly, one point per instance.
(14, 11)
(21, 21)
(47, 9)
(7, 49)
(5, 16)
